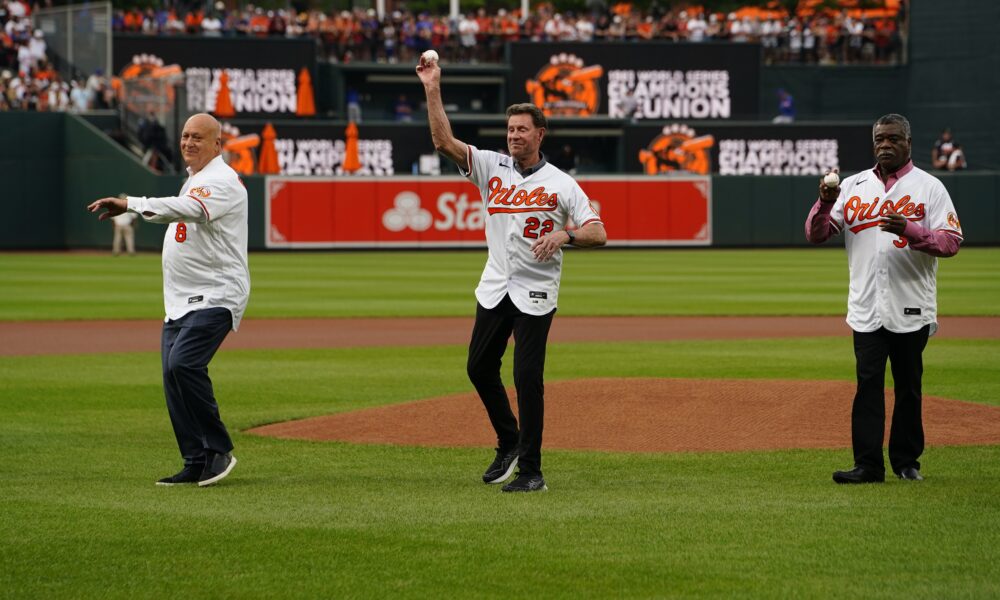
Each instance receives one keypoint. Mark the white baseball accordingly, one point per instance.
(831, 180)
(429, 56)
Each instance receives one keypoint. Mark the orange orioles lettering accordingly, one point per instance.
(513, 200)
(867, 214)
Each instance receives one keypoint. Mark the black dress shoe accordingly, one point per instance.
(189, 474)
(858, 475)
(525, 482)
(910, 474)
(217, 467)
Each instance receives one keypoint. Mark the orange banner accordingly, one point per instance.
(441, 212)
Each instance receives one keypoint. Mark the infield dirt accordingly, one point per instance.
(634, 415)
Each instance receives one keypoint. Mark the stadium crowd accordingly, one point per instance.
(820, 38)
(28, 81)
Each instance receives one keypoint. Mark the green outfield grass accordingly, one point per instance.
(83, 437)
(811, 281)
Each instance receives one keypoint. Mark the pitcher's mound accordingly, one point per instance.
(653, 415)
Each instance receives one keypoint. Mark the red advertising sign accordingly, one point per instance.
(441, 212)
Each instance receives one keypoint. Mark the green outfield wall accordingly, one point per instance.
(54, 165)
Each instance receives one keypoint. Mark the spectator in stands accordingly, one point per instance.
(153, 137)
(402, 110)
(79, 98)
(786, 108)
(6, 92)
(389, 41)
(211, 25)
(353, 105)
(102, 95)
(947, 154)
(694, 27)
(566, 159)
(468, 28)
(821, 36)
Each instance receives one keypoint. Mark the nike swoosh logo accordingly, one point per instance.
(862, 180)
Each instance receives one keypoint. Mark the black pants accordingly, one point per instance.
(187, 346)
(906, 435)
(489, 342)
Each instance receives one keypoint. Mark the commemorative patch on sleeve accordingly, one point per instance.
(953, 222)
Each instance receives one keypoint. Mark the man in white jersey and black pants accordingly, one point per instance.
(896, 219)
(206, 284)
(528, 203)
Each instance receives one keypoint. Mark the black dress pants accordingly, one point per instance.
(489, 342)
(187, 346)
(906, 435)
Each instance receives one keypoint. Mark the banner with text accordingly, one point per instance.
(425, 212)
(747, 150)
(665, 80)
(307, 148)
(265, 75)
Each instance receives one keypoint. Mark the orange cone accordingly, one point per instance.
(351, 161)
(223, 103)
(305, 105)
(268, 162)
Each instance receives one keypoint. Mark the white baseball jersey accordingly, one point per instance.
(205, 247)
(519, 210)
(892, 285)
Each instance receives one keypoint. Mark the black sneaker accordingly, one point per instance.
(217, 467)
(189, 474)
(526, 483)
(501, 467)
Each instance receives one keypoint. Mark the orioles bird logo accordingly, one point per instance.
(564, 87)
(239, 149)
(677, 149)
(953, 221)
(147, 81)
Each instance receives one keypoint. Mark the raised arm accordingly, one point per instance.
(444, 140)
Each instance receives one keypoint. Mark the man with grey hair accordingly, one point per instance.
(528, 205)
(896, 220)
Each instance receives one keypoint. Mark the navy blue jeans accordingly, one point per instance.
(187, 346)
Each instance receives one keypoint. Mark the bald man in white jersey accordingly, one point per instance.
(897, 220)
(528, 204)
(206, 285)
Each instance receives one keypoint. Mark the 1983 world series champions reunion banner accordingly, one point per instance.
(263, 75)
(668, 81)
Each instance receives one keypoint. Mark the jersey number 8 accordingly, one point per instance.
(181, 234)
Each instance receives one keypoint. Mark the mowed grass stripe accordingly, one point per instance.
(810, 281)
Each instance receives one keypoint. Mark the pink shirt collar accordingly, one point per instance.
(894, 177)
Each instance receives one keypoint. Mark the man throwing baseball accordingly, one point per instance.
(896, 220)
(528, 203)
(206, 284)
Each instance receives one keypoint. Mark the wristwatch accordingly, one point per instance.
(572, 236)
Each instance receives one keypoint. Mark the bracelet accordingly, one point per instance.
(572, 236)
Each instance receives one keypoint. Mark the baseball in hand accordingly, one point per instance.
(832, 180)
(429, 56)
